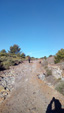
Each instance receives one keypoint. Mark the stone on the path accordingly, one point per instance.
(41, 76)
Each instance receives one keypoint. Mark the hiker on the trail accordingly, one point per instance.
(29, 59)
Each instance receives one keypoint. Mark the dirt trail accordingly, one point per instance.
(30, 94)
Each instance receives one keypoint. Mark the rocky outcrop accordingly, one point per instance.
(6, 84)
(41, 76)
(56, 71)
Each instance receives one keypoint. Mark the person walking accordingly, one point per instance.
(29, 59)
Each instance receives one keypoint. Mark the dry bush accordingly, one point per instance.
(60, 87)
(48, 72)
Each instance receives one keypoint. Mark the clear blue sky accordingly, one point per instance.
(37, 26)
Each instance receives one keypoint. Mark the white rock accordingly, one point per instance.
(41, 76)
(62, 79)
(57, 73)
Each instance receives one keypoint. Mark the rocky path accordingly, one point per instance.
(29, 94)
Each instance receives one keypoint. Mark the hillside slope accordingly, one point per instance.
(29, 94)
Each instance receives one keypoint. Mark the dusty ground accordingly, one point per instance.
(30, 94)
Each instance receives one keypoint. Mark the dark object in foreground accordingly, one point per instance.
(29, 59)
(57, 105)
(1, 67)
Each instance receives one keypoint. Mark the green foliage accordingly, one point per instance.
(18, 55)
(3, 51)
(60, 87)
(3, 54)
(45, 57)
(50, 55)
(14, 49)
(42, 58)
(13, 57)
(27, 57)
(1, 66)
(8, 63)
(59, 56)
(48, 72)
(32, 58)
(23, 55)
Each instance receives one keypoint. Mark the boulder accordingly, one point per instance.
(41, 76)
(57, 73)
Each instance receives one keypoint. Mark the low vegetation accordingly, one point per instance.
(48, 72)
(45, 65)
(59, 56)
(60, 87)
(11, 58)
(50, 55)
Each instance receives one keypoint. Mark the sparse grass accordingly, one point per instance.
(60, 87)
(48, 72)
(59, 56)
(59, 79)
(10, 60)
(45, 65)
(8, 63)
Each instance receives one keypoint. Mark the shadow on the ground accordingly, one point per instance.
(2, 69)
(57, 107)
(30, 62)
